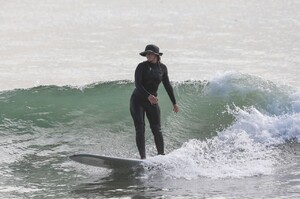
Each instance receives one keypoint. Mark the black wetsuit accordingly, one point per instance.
(148, 76)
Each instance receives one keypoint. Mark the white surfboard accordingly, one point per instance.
(106, 161)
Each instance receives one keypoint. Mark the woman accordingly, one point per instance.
(148, 75)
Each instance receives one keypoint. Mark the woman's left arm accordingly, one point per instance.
(168, 87)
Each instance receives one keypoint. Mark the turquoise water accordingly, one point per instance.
(234, 129)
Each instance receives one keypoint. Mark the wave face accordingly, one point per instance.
(232, 126)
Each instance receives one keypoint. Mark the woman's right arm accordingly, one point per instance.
(138, 79)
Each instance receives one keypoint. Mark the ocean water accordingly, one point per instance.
(66, 76)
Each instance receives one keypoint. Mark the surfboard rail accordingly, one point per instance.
(106, 161)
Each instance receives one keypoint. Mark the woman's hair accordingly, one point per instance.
(158, 58)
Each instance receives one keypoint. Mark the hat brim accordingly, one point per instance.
(144, 53)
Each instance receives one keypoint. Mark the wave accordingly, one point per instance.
(265, 116)
(226, 127)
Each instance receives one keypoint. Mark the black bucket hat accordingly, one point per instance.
(151, 48)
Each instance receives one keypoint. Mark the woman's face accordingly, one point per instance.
(151, 57)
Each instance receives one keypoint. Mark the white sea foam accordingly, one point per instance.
(246, 148)
(18, 189)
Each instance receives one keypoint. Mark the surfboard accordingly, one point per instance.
(106, 161)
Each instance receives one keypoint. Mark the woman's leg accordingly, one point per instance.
(138, 115)
(153, 115)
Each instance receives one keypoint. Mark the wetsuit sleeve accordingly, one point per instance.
(167, 85)
(138, 79)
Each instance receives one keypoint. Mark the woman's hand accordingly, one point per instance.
(175, 108)
(152, 99)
